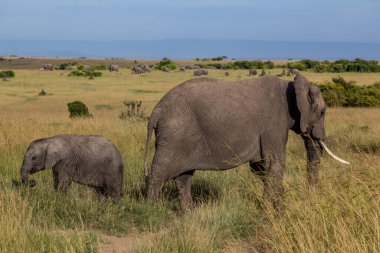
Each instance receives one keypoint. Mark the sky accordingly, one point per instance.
(110, 20)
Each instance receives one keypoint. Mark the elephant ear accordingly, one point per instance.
(52, 154)
(301, 87)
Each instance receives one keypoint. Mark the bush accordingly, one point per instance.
(348, 94)
(88, 73)
(76, 73)
(166, 63)
(91, 74)
(63, 66)
(98, 67)
(309, 64)
(78, 109)
(7, 74)
(343, 65)
(250, 65)
(297, 65)
(211, 66)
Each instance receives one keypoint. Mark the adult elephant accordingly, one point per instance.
(252, 72)
(113, 67)
(212, 124)
(293, 71)
(48, 66)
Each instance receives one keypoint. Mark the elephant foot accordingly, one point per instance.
(186, 206)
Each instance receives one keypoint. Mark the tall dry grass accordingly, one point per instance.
(341, 214)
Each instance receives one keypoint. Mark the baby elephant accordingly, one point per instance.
(86, 159)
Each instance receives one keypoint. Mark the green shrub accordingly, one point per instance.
(166, 63)
(262, 72)
(348, 94)
(250, 65)
(89, 73)
(297, 65)
(63, 66)
(309, 64)
(210, 66)
(343, 65)
(5, 74)
(78, 109)
(76, 73)
(218, 58)
(98, 67)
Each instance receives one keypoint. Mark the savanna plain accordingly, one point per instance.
(341, 214)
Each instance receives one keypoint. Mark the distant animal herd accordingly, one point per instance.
(145, 68)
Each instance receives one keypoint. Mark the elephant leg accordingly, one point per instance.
(113, 191)
(273, 188)
(157, 180)
(183, 183)
(61, 181)
(312, 172)
(258, 168)
(273, 154)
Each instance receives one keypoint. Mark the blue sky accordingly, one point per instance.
(291, 20)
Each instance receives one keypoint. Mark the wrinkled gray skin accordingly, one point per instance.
(166, 69)
(86, 159)
(47, 67)
(113, 67)
(182, 69)
(210, 124)
(252, 72)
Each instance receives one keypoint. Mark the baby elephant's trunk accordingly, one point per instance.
(25, 177)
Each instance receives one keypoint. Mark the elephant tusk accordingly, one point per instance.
(332, 154)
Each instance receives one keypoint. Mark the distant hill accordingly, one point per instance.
(192, 48)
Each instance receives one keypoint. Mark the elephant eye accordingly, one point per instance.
(34, 158)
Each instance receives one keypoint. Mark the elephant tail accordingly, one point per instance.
(151, 126)
(147, 147)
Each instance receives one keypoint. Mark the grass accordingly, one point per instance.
(342, 214)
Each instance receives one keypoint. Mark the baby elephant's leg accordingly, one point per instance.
(61, 181)
(113, 192)
(113, 188)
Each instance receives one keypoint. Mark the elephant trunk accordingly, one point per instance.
(25, 170)
(314, 153)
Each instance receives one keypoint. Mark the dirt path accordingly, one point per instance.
(114, 244)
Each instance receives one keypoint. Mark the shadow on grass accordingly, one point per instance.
(202, 191)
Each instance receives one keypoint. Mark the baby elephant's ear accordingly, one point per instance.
(52, 154)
